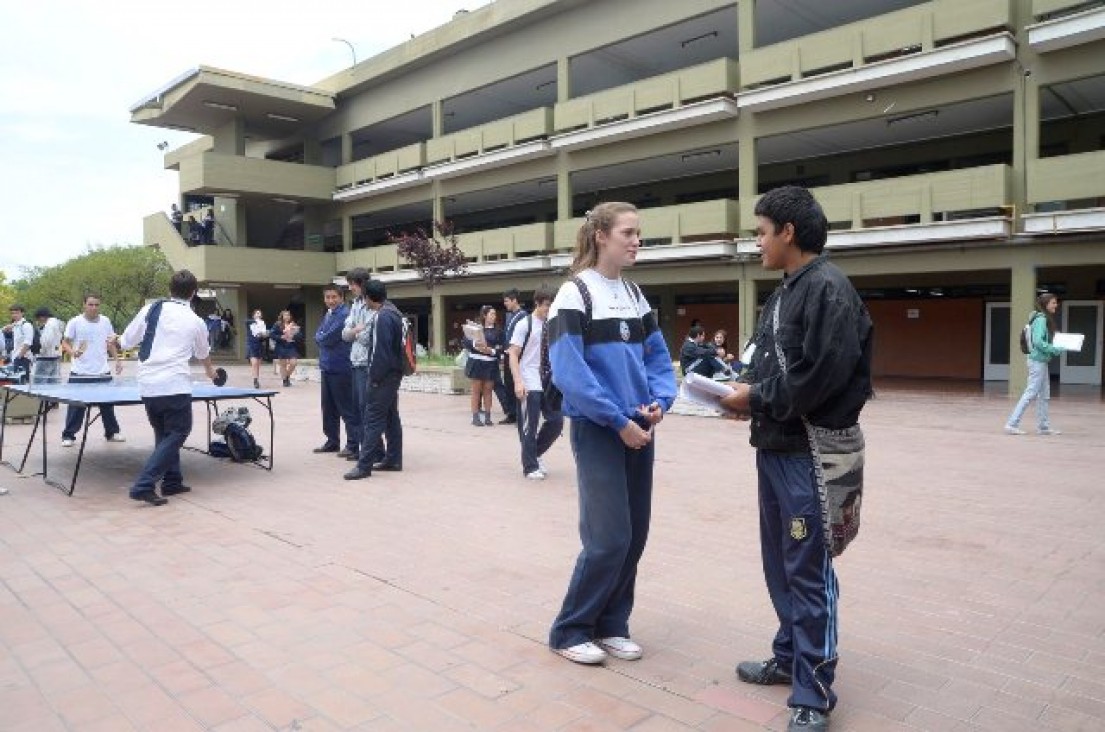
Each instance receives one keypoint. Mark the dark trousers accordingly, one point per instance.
(24, 365)
(74, 416)
(615, 505)
(381, 419)
(360, 399)
(338, 400)
(799, 573)
(171, 419)
(504, 391)
(535, 440)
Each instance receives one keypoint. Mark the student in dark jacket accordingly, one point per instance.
(336, 372)
(811, 369)
(385, 372)
(696, 355)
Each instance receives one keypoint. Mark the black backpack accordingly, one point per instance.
(553, 397)
(1026, 335)
(36, 340)
(243, 448)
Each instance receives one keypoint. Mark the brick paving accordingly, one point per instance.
(974, 598)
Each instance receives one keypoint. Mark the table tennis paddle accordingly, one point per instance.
(220, 377)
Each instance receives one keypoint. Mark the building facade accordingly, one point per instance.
(957, 146)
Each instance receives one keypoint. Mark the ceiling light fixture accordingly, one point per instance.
(696, 39)
(282, 117)
(286, 200)
(701, 154)
(908, 119)
(544, 84)
(220, 105)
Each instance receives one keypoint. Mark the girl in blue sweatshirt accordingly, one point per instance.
(611, 363)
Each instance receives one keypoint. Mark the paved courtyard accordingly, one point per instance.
(293, 600)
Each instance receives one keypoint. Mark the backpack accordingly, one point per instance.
(243, 448)
(36, 340)
(552, 395)
(1026, 335)
(410, 354)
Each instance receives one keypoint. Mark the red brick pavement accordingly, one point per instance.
(421, 600)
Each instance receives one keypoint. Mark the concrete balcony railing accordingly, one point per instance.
(1067, 177)
(507, 243)
(385, 165)
(717, 220)
(667, 91)
(924, 196)
(195, 147)
(209, 173)
(920, 28)
(237, 264)
(501, 133)
(382, 258)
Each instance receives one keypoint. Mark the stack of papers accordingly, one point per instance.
(703, 391)
(1068, 341)
(474, 333)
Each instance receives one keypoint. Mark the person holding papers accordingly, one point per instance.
(610, 360)
(1039, 380)
(169, 335)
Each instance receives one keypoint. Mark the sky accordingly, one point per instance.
(74, 172)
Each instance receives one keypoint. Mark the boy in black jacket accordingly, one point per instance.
(811, 369)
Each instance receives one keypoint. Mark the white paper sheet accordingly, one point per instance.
(703, 391)
(1068, 341)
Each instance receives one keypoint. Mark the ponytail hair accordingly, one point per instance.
(1041, 307)
(600, 218)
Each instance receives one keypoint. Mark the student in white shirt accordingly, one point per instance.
(525, 368)
(169, 335)
(22, 335)
(89, 340)
(47, 368)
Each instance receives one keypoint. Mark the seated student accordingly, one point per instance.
(700, 357)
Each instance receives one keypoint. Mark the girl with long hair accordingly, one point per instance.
(611, 363)
(483, 362)
(288, 335)
(1041, 351)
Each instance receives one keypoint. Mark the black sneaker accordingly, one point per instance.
(149, 497)
(173, 490)
(764, 673)
(804, 719)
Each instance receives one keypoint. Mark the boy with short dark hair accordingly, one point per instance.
(524, 354)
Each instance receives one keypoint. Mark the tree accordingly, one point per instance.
(124, 277)
(434, 254)
(7, 294)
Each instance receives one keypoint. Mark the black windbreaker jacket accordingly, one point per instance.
(826, 334)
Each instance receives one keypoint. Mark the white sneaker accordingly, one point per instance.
(3, 491)
(536, 475)
(619, 647)
(116, 438)
(1048, 431)
(541, 466)
(586, 653)
(1010, 430)
(66, 442)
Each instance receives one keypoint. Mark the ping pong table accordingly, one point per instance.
(116, 394)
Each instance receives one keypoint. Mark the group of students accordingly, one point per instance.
(710, 359)
(201, 232)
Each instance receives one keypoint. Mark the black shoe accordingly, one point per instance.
(347, 453)
(326, 448)
(172, 490)
(388, 467)
(509, 419)
(477, 421)
(149, 497)
(256, 384)
(287, 382)
(765, 673)
(357, 473)
(804, 719)
(353, 456)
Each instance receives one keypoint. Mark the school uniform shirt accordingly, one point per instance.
(624, 363)
(23, 334)
(50, 338)
(94, 333)
(180, 336)
(527, 336)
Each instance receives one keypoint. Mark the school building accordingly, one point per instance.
(957, 146)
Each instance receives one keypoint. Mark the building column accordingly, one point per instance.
(438, 339)
(347, 233)
(563, 79)
(230, 139)
(437, 200)
(563, 186)
(1022, 300)
(746, 26)
(747, 301)
(346, 148)
(240, 307)
(747, 173)
(667, 320)
(437, 118)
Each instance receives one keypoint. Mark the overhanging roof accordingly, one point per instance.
(205, 99)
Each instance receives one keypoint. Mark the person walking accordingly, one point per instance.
(256, 341)
(168, 336)
(809, 379)
(611, 363)
(524, 358)
(89, 340)
(287, 335)
(336, 372)
(1041, 351)
(47, 368)
(385, 372)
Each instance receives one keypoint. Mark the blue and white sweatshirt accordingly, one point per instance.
(620, 365)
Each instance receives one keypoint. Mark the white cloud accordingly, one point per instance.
(75, 170)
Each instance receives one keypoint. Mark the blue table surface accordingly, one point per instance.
(114, 393)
